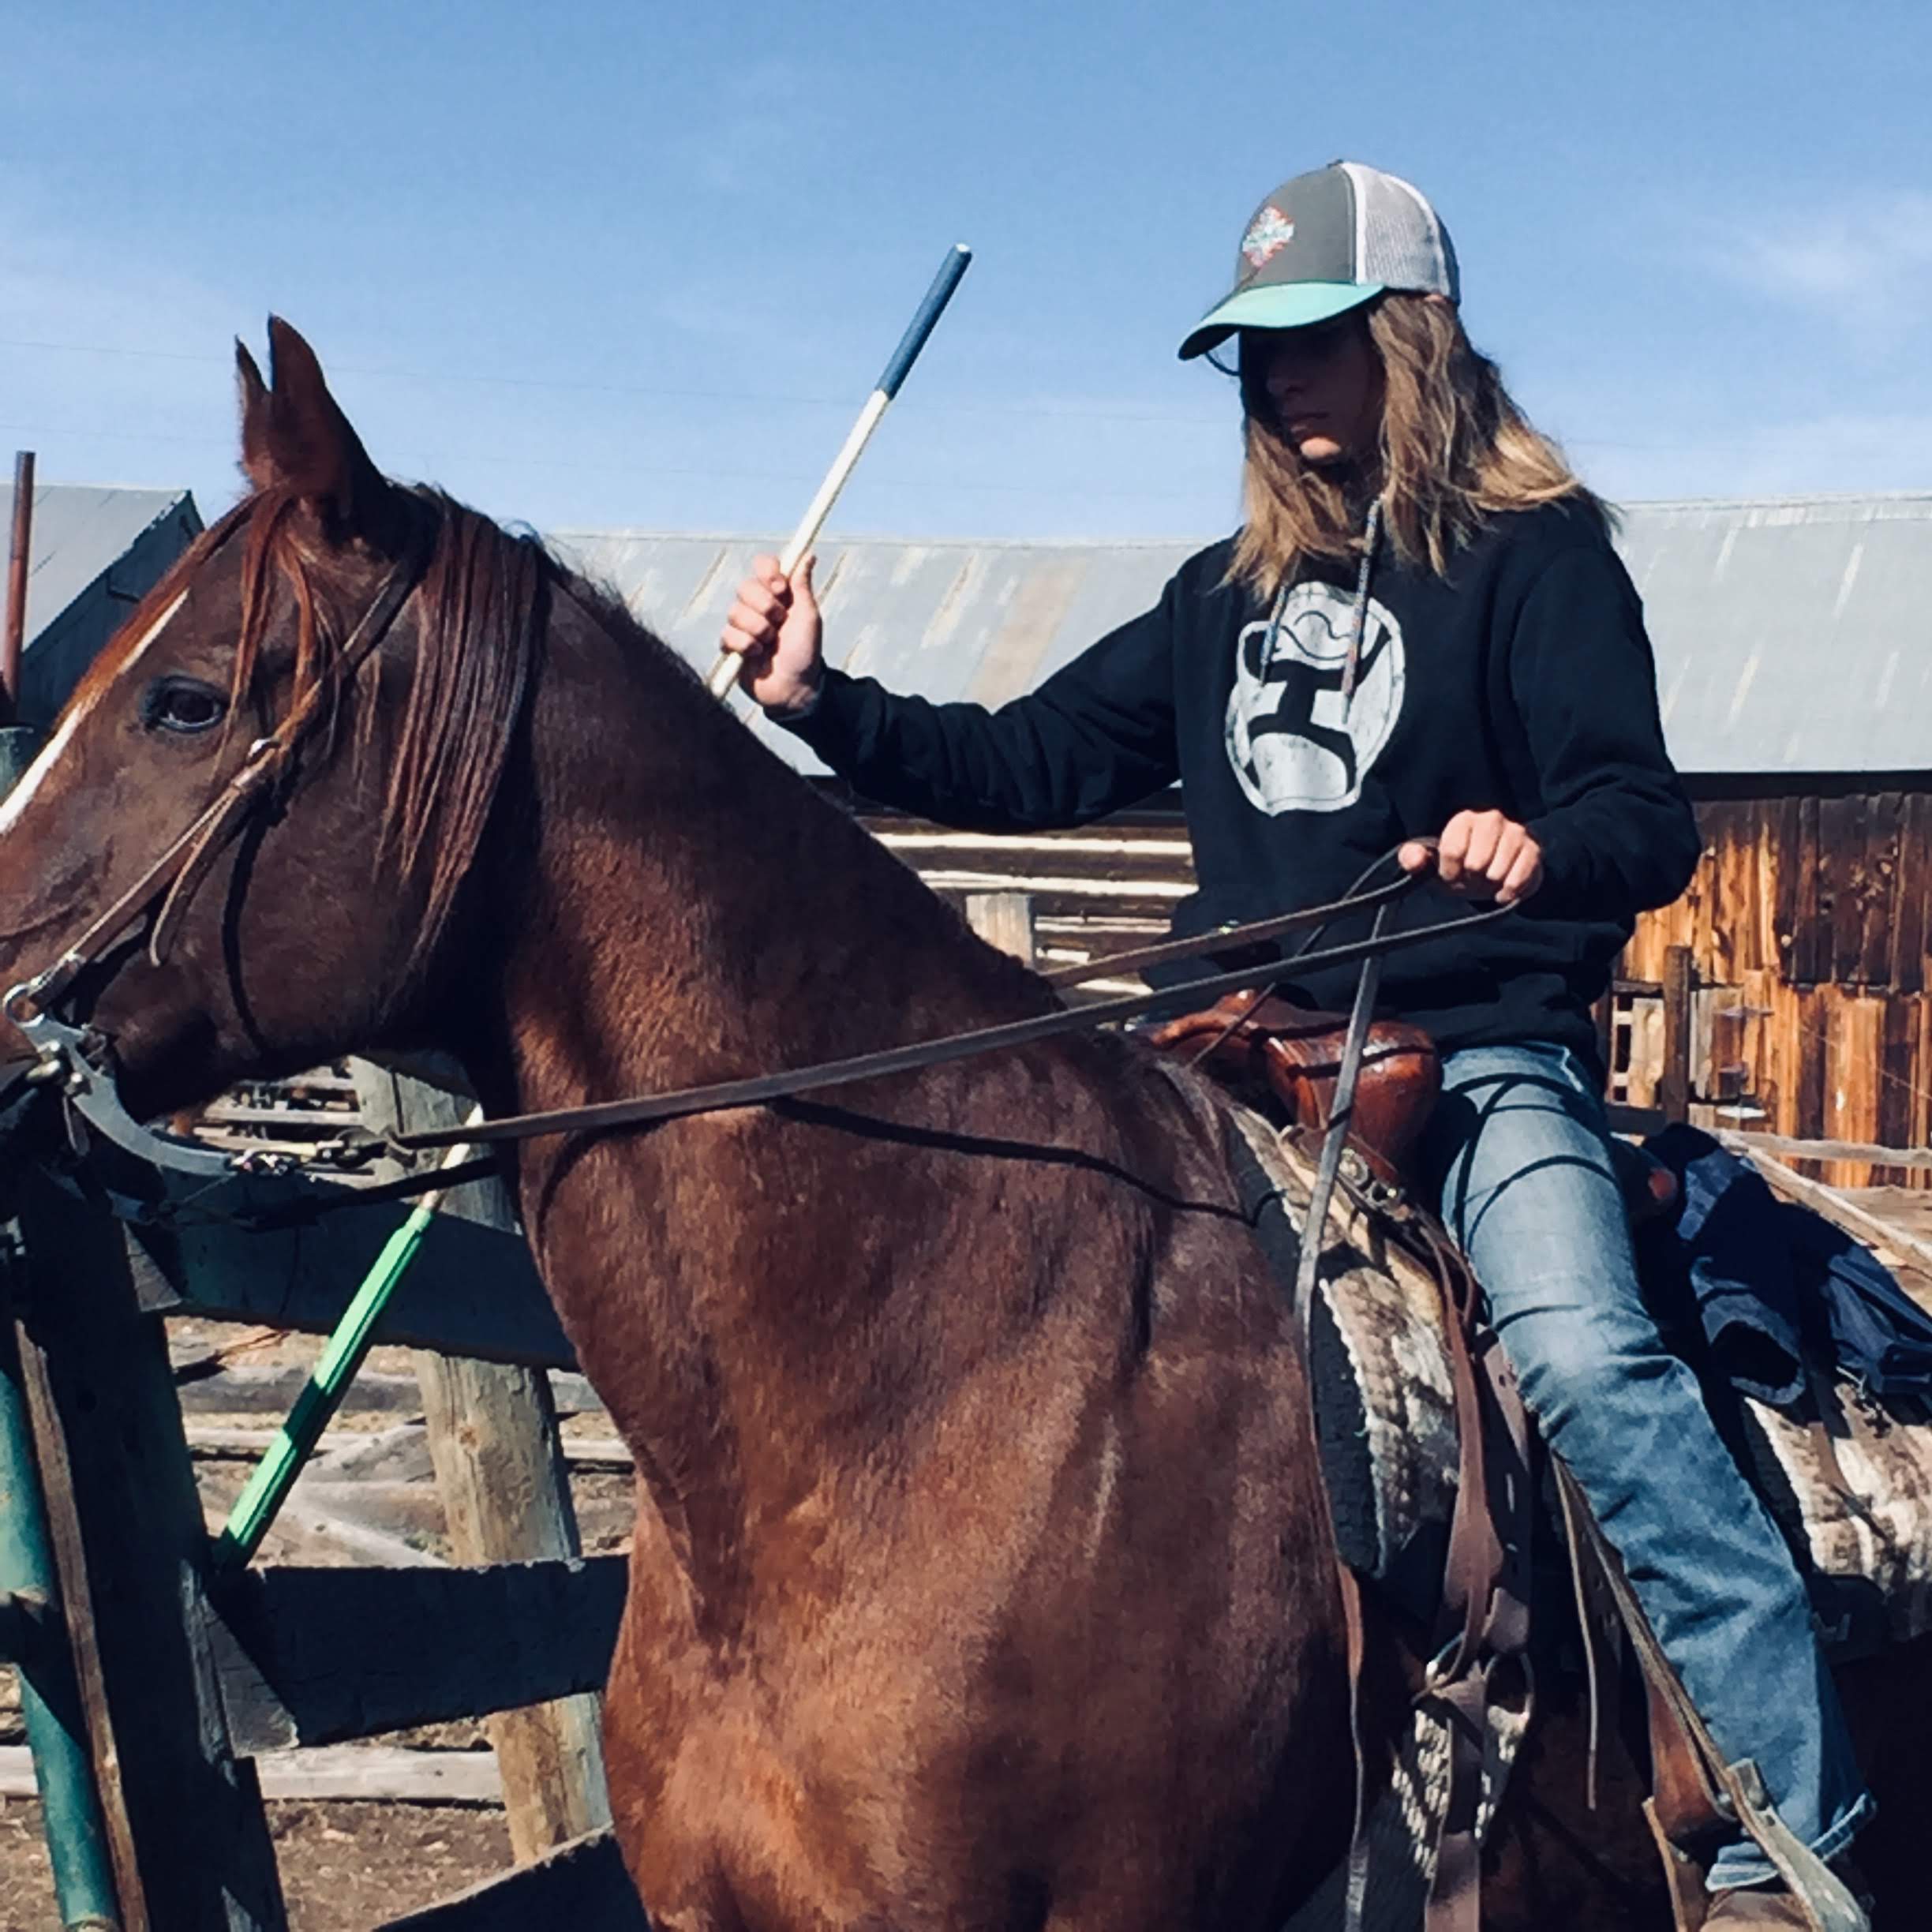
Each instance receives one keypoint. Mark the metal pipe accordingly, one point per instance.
(18, 559)
(70, 1815)
(35, 1637)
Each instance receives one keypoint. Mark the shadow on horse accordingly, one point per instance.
(980, 1577)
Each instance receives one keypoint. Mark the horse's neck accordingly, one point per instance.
(694, 913)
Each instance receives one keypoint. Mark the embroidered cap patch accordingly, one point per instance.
(1267, 235)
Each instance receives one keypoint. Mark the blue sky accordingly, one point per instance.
(637, 265)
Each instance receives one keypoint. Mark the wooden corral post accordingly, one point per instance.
(1673, 1093)
(506, 1492)
(1005, 918)
(186, 1828)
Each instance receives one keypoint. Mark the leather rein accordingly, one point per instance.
(75, 1058)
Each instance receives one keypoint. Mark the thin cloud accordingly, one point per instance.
(1865, 268)
(159, 407)
(1847, 450)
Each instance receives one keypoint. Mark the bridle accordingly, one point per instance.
(74, 1058)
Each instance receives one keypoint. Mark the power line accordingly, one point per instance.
(43, 432)
(1096, 413)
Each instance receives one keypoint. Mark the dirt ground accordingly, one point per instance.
(346, 1866)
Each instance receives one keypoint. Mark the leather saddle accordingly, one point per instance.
(1284, 1059)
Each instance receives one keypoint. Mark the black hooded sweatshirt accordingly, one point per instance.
(1523, 681)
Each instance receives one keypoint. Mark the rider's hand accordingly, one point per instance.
(1481, 854)
(774, 626)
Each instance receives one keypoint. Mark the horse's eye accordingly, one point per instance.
(180, 704)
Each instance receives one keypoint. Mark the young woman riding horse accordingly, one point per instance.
(982, 1579)
(1420, 629)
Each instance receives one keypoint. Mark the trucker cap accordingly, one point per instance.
(1328, 241)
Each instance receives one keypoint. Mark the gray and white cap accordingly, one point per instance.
(1326, 242)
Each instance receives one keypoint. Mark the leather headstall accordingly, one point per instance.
(75, 1058)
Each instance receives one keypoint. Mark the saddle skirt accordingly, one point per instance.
(1851, 1488)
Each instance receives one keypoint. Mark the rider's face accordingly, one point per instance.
(1323, 384)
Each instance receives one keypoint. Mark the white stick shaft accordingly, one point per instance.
(724, 672)
(428, 1204)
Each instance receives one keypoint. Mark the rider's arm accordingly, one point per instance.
(1617, 833)
(1097, 735)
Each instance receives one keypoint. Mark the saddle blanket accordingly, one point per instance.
(1847, 1476)
(1385, 1411)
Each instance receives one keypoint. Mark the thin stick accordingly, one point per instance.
(724, 672)
(268, 1488)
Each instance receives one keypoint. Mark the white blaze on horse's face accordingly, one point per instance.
(18, 799)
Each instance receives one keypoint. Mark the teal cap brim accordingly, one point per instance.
(1276, 305)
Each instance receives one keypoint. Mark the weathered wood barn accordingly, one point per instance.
(1794, 641)
(96, 552)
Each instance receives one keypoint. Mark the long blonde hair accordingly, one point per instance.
(1454, 450)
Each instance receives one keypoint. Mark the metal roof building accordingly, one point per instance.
(1791, 635)
(96, 551)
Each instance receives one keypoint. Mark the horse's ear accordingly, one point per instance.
(294, 437)
(254, 392)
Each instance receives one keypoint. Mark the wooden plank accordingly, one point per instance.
(1783, 849)
(1842, 891)
(376, 1774)
(322, 1655)
(583, 1886)
(1790, 1147)
(1897, 1065)
(1724, 947)
(67, 1547)
(1764, 861)
(589, 1452)
(1856, 1065)
(249, 1389)
(1811, 917)
(345, 1535)
(1006, 919)
(215, 1387)
(1810, 1034)
(1909, 931)
(301, 1278)
(506, 1494)
(492, 1435)
(1885, 823)
(127, 1525)
(1673, 1088)
(1921, 1135)
(1860, 1222)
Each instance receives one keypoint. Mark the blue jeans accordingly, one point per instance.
(1517, 1148)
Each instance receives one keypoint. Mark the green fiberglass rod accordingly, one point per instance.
(268, 1488)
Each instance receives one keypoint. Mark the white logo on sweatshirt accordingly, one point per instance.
(1292, 745)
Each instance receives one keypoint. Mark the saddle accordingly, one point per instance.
(1286, 1059)
(1283, 1060)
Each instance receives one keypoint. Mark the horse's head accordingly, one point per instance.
(321, 696)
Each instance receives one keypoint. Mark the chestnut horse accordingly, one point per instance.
(980, 1577)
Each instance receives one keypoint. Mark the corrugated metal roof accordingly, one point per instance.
(1791, 635)
(79, 531)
